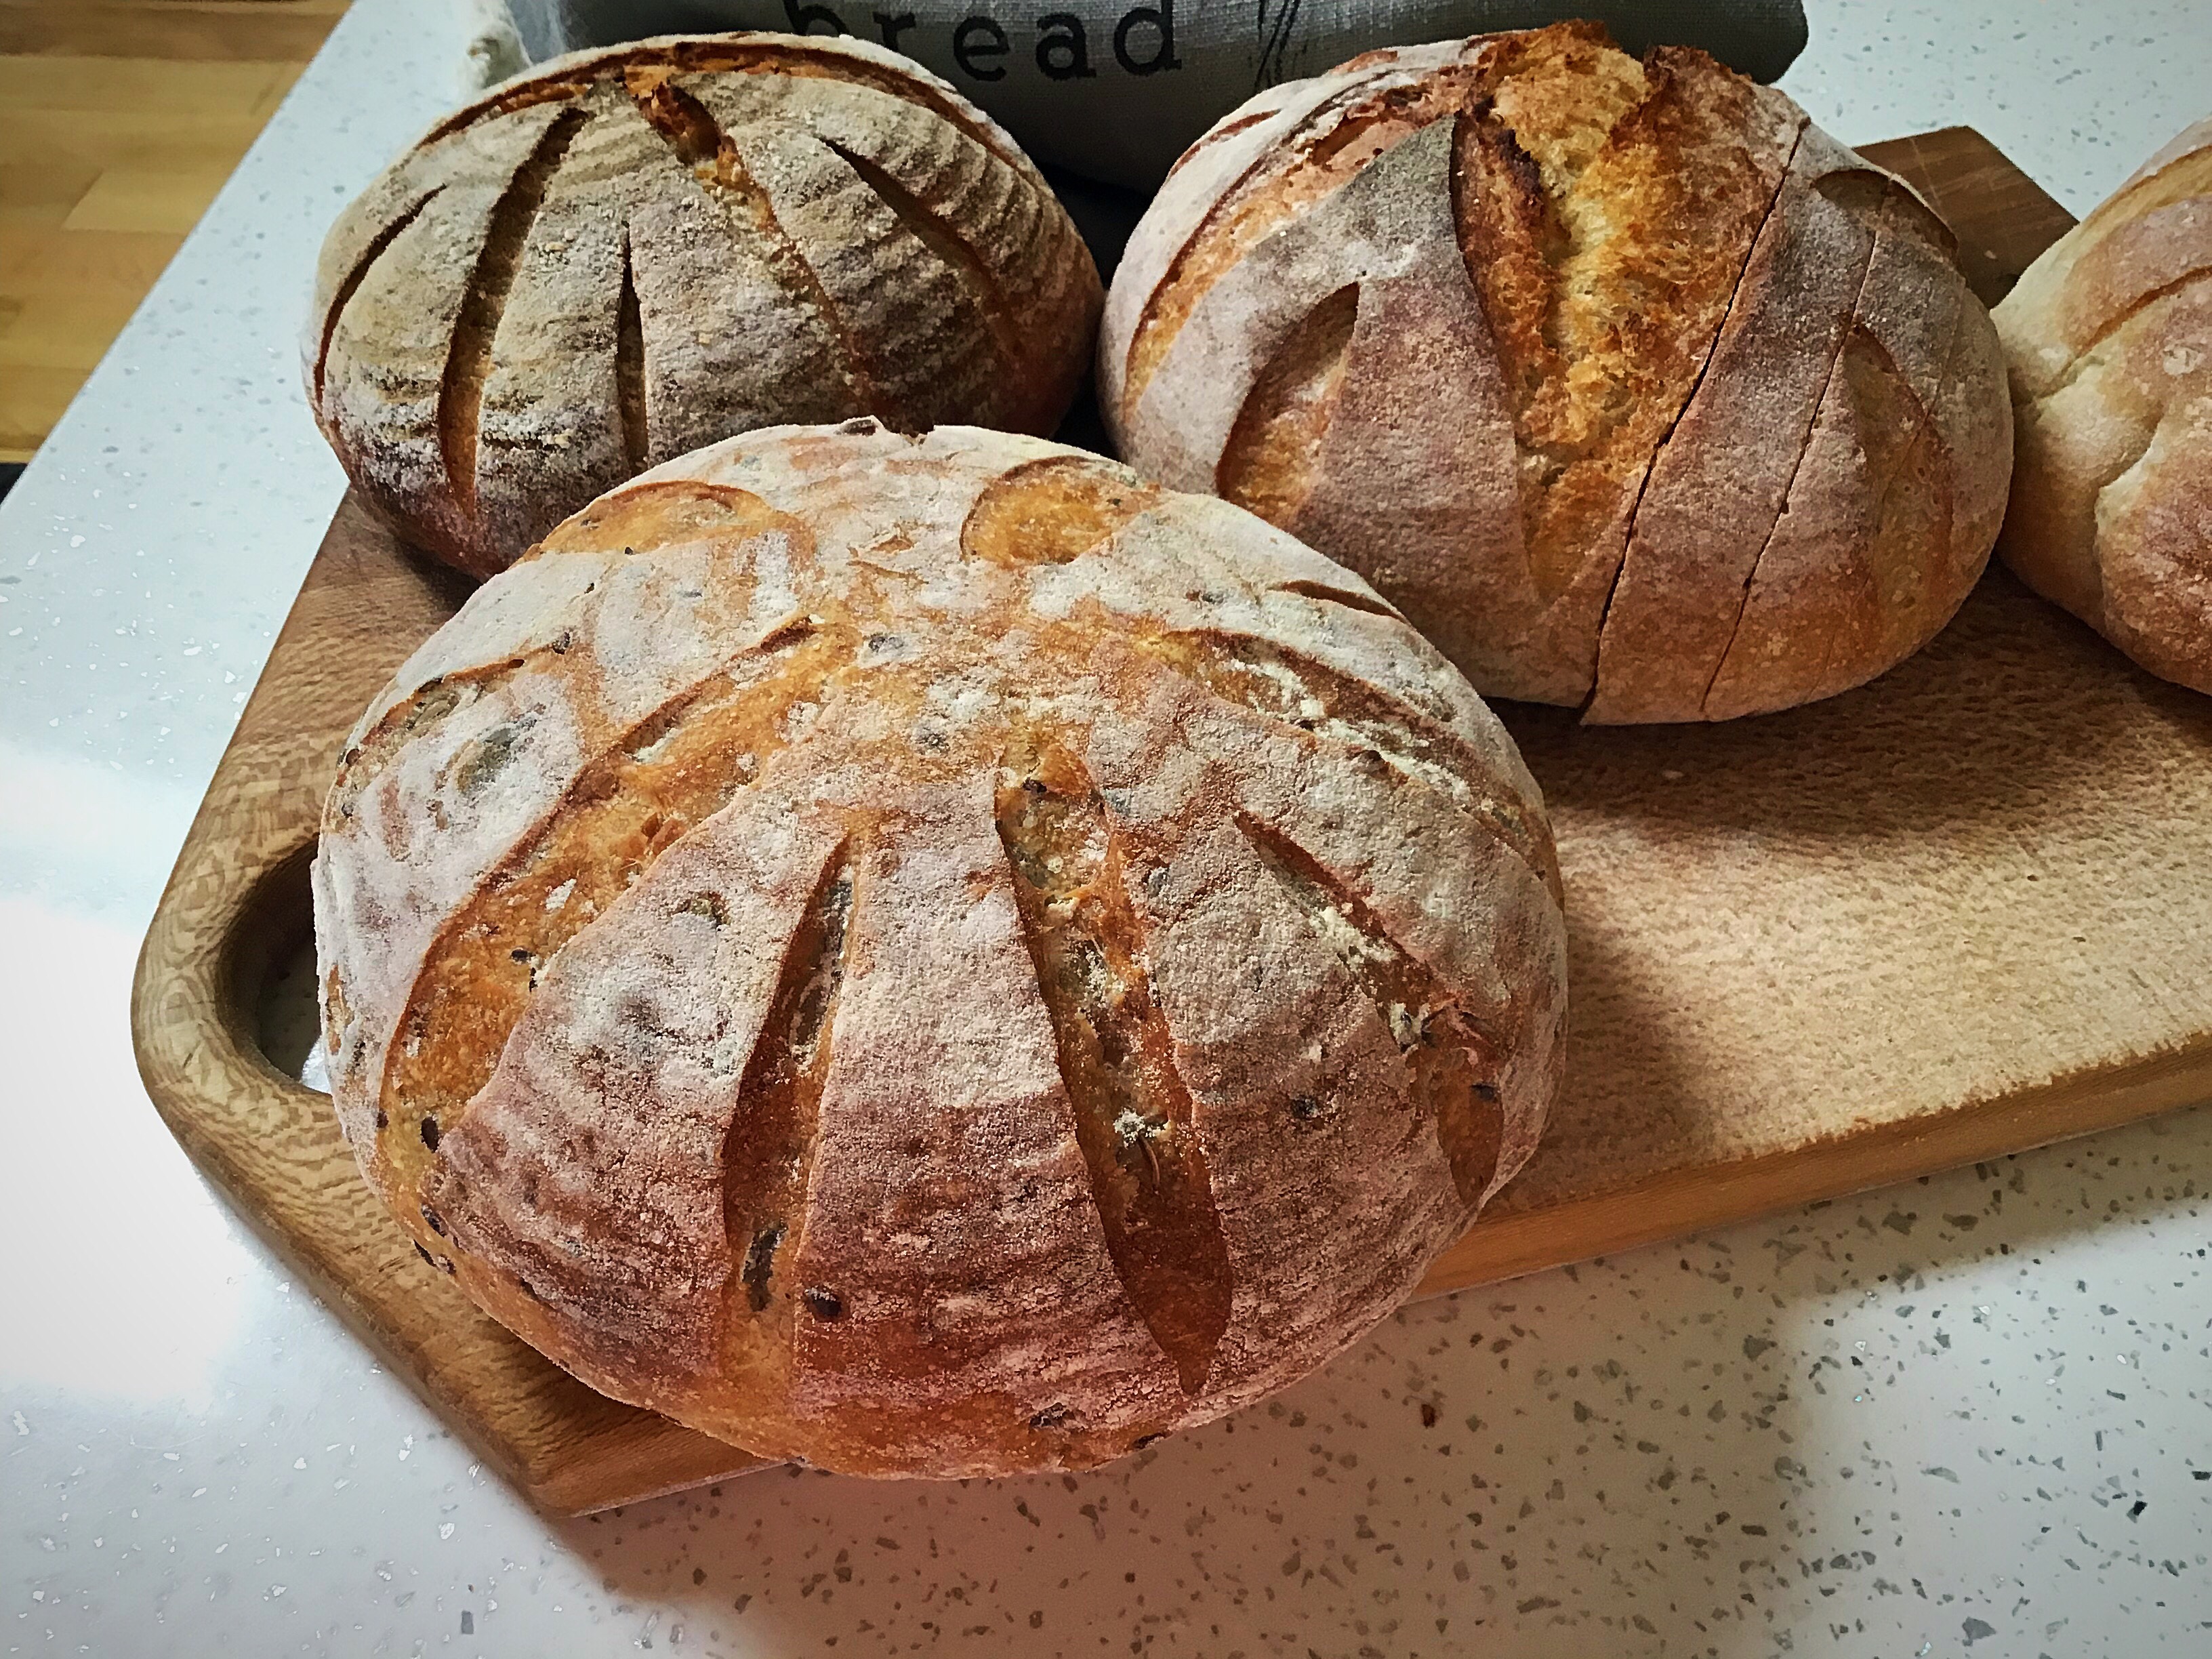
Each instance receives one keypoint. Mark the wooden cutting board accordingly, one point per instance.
(1957, 913)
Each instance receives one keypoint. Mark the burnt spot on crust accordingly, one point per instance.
(1133, 1115)
(429, 1129)
(825, 1304)
(760, 1265)
(1450, 1065)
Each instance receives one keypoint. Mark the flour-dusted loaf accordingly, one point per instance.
(629, 253)
(933, 956)
(2109, 340)
(1634, 390)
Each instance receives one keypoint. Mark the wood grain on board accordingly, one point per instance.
(1950, 915)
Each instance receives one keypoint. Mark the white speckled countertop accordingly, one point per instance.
(1975, 1411)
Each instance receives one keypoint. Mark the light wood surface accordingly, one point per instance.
(118, 123)
(1951, 915)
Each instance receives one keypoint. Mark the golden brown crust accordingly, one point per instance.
(2108, 339)
(934, 956)
(1519, 326)
(632, 251)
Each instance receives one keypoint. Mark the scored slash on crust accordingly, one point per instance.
(1133, 1118)
(1451, 1066)
(1508, 325)
(711, 156)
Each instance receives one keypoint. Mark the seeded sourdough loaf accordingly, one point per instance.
(2109, 339)
(627, 253)
(1633, 389)
(932, 956)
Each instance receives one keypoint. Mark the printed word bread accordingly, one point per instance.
(2108, 338)
(933, 956)
(630, 252)
(1634, 390)
(1116, 89)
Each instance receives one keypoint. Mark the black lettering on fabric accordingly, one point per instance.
(805, 17)
(1063, 51)
(1160, 20)
(890, 26)
(975, 43)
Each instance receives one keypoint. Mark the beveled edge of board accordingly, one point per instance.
(1507, 1244)
(571, 1450)
(236, 895)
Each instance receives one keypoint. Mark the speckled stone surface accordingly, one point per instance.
(1971, 1414)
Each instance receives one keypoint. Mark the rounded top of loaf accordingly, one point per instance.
(2108, 337)
(626, 252)
(1634, 391)
(934, 956)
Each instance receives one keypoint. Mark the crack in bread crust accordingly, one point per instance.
(630, 367)
(1804, 446)
(855, 63)
(351, 284)
(1375, 729)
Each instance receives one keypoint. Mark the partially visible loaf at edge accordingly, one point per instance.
(933, 956)
(628, 253)
(1633, 389)
(2108, 336)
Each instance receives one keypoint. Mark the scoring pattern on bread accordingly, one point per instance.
(1636, 391)
(629, 253)
(933, 955)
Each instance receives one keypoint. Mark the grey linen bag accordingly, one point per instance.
(1115, 90)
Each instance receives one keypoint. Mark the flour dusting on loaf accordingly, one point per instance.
(1633, 389)
(627, 253)
(2109, 339)
(933, 955)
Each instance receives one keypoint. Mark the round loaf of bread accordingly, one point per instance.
(2109, 340)
(933, 956)
(1634, 390)
(627, 253)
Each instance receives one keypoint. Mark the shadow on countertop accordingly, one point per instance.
(1706, 1447)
